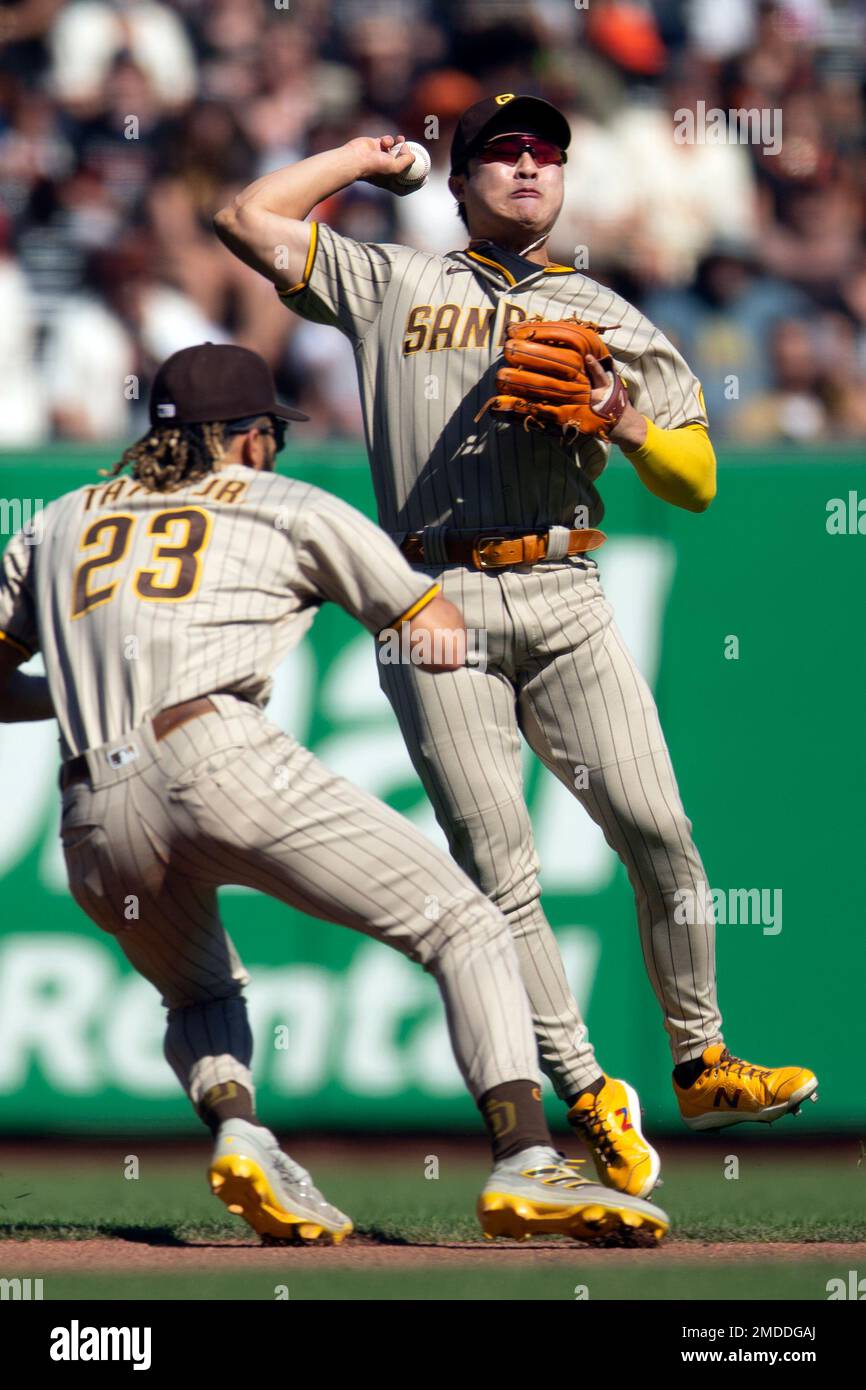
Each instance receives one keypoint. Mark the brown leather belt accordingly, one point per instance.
(76, 770)
(489, 551)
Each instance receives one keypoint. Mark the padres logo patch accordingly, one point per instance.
(501, 1117)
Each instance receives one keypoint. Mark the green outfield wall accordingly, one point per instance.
(747, 621)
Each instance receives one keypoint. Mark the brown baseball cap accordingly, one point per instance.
(499, 116)
(215, 381)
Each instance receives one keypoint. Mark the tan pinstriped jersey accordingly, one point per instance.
(428, 333)
(139, 599)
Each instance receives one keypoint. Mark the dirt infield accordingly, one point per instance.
(792, 1220)
(136, 1256)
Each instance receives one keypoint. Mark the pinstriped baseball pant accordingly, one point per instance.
(228, 798)
(557, 673)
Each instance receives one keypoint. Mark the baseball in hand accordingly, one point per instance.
(409, 180)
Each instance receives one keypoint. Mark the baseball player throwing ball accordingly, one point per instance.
(162, 601)
(493, 383)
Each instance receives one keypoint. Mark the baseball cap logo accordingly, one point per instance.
(505, 97)
(166, 411)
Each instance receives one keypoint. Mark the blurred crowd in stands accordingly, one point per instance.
(124, 125)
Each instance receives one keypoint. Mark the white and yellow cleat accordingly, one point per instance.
(276, 1196)
(609, 1124)
(730, 1091)
(536, 1192)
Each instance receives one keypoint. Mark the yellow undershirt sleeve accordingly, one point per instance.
(679, 466)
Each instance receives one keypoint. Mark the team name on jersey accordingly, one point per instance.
(214, 488)
(434, 327)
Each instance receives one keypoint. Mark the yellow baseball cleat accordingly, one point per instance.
(730, 1091)
(276, 1196)
(609, 1125)
(536, 1192)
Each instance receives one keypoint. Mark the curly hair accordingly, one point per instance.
(170, 456)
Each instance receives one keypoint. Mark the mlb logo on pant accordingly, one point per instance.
(118, 757)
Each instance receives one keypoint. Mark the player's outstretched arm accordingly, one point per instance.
(264, 224)
(22, 698)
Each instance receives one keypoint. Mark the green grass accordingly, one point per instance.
(779, 1196)
(495, 1282)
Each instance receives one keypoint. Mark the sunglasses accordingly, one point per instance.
(277, 431)
(509, 149)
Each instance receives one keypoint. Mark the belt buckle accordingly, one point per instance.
(480, 545)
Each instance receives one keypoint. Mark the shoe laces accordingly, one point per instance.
(595, 1126)
(728, 1063)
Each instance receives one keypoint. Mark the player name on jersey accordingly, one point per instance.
(215, 489)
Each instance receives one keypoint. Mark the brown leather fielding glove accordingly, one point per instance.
(546, 383)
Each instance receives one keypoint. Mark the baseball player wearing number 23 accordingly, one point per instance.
(174, 782)
(493, 384)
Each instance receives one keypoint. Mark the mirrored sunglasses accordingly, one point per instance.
(509, 149)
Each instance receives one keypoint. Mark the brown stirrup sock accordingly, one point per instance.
(514, 1117)
(227, 1101)
(595, 1089)
(687, 1073)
